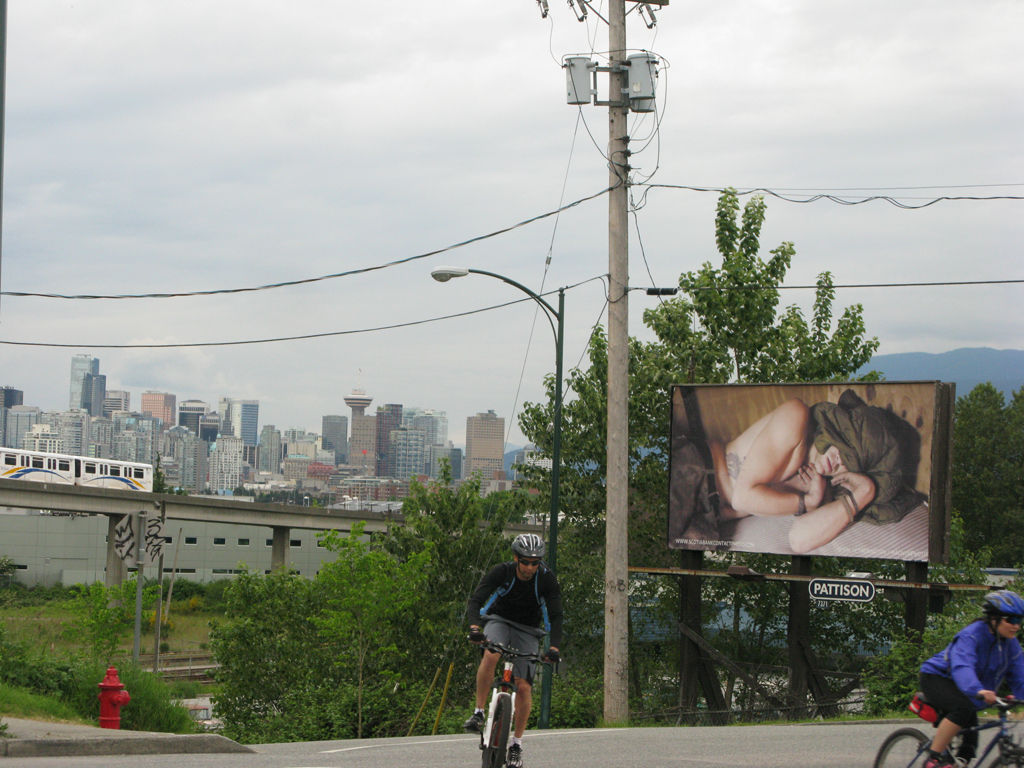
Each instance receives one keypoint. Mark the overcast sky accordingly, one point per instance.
(156, 147)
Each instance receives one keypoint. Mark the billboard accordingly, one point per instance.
(847, 470)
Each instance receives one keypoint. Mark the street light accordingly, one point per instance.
(556, 321)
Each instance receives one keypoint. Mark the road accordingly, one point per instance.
(766, 746)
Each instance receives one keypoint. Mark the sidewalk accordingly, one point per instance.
(35, 738)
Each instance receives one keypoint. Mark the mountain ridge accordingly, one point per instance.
(967, 367)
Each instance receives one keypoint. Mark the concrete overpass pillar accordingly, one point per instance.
(279, 550)
(117, 569)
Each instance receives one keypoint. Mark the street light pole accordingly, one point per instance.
(555, 320)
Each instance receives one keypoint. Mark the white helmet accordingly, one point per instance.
(528, 545)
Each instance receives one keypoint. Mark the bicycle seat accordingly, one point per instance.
(924, 709)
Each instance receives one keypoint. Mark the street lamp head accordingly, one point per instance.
(444, 274)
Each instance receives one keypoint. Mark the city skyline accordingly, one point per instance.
(237, 415)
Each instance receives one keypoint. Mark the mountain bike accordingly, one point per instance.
(909, 747)
(497, 729)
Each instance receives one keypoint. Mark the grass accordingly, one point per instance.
(16, 702)
(52, 627)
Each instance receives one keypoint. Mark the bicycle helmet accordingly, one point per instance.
(528, 545)
(1003, 603)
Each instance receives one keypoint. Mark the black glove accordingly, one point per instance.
(476, 636)
(552, 656)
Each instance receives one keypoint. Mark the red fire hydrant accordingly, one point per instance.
(112, 697)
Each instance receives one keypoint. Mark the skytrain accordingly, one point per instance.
(40, 467)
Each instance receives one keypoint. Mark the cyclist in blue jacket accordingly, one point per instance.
(515, 605)
(964, 677)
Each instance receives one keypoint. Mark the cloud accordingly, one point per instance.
(162, 148)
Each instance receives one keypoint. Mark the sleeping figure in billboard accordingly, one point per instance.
(821, 465)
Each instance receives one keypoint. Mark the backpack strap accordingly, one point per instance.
(500, 591)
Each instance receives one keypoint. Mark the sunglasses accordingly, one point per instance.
(529, 562)
(1013, 618)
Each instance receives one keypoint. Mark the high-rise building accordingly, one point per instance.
(239, 418)
(270, 450)
(116, 400)
(389, 418)
(80, 366)
(136, 437)
(73, 429)
(20, 420)
(209, 427)
(191, 455)
(334, 434)
(42, 437)
(101, 437)
(11, 397)
(189, 413)
(485, 445)
(408, 452)
(161, 405)
(433, 423)
(226, 463)
(94, 393)
(437, 453)
(362, 448)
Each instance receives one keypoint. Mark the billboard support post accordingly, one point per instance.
(689, 616)
(916, 600)
(799, 630)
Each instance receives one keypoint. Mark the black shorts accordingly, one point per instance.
(943, 694)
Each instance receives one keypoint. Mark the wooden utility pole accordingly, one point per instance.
(616, 637)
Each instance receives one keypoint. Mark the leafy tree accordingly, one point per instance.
(988, 471)
(891, 677)
(7, 567)
(724, 326)
(466, 536)
(273, 660)
(371, 598)
(107, 616)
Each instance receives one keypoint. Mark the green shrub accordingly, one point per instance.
(151, 707)
(215, 597)
(577, 701)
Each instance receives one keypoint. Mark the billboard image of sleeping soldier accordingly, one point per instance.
(825, 469)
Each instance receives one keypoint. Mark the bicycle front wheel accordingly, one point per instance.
(902, 749)
(497, 742)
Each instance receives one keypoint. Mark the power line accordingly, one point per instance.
(813, 198)
(303, 337)
(305, 281)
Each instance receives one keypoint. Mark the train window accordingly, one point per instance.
(90, 469)
(115, 471)
(37, 462)
(138, 473)
(64, 465)
(10, 459)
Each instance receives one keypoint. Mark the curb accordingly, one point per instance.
(174, 744)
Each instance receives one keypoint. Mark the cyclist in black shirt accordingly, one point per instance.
(515, 604)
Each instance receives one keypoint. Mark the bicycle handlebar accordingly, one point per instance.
(511, 653)
(1008, 703)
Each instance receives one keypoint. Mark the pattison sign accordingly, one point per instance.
(857, 590)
